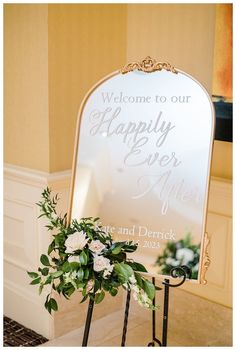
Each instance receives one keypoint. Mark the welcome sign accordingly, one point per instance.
(142, 162)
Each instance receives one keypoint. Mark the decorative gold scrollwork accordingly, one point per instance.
(148, 65)
(206, 258)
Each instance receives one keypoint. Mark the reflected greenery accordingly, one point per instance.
(182, 252)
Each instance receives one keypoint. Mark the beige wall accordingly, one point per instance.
(50, 66)
(86, 42)
(182, 34)
(26, 132)
(53, 55)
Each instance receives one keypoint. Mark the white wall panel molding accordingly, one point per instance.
(34, 177)
(219, 229)
(220, 197)
(25, 238)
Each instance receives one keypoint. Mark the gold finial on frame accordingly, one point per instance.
(206, 258)
(148, 65)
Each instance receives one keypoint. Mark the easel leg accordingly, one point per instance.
(154, 339)
(88, 322)
(126, 318)
(165, 313)
(153, 315)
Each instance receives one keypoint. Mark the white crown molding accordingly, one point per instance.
(35, 178)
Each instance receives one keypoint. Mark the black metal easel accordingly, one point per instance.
(180, 271)
(88, 322)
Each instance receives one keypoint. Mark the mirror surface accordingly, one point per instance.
(142, 165)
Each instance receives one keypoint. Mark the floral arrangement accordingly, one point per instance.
(82, 257)
(180, 253)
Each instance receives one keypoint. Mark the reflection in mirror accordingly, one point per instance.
(142, 163)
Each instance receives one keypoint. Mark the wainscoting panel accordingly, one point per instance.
(219, 229)
(25, 239)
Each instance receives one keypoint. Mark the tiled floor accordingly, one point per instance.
(15, 334)
(193, 321)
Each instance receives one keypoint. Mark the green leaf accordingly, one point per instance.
(113, 291)
(129, 269)
(70, 291)
(130, 247)
(149, 288)
(138, 279)
(66, 267)
(118, 257)
(58, 240)
(99, 297)
(45, 271)
(48, 280)
(106, 285)
(137, 267)
(86, 274)
(74, 266)
(36, 281)
(84, 298)
(96, 285)
(116, 247)
(83, 258)
(116, 250)
(48, 306)
(44, 260)
(40, 288)
(51, 247)
(33, 274)
(124, 271)
(80, 274)
(53, 304)
(57, 274)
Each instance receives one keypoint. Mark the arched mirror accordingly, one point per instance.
(142, 163)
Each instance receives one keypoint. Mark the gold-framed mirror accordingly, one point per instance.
(142, 161)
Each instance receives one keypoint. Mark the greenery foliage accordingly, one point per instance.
(82, 257)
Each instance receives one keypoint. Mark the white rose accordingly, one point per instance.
(76, 241)
(100, 263)
(185, 255)
(96, 246)
(74, 259)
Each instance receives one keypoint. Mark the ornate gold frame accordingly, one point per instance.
(206, 261)
(149, 65)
